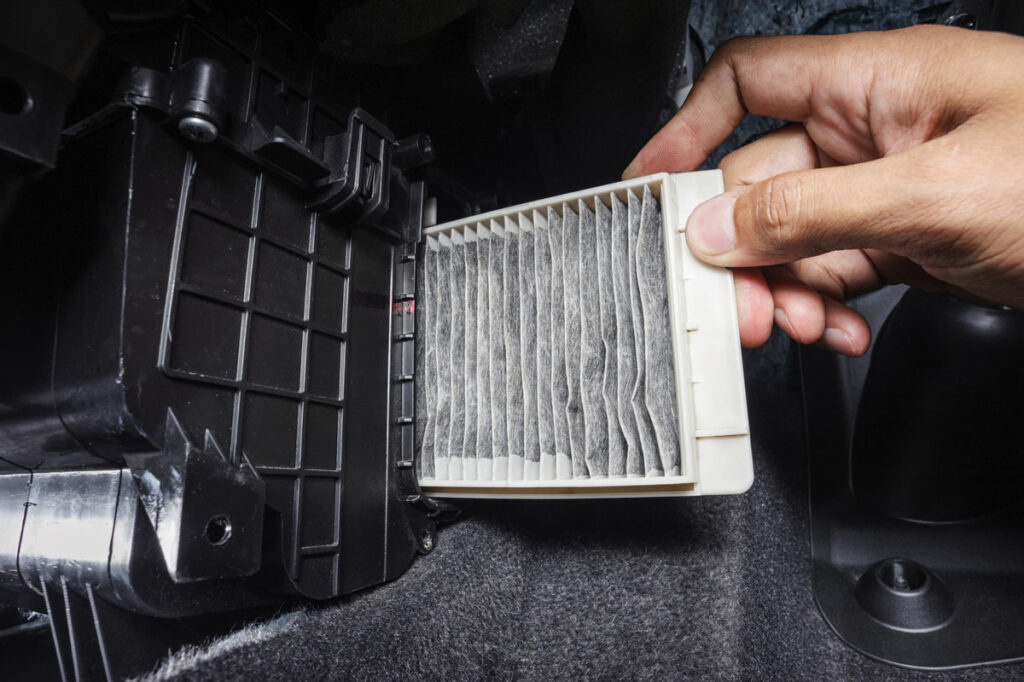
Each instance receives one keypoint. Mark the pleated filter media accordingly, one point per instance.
(574, 347)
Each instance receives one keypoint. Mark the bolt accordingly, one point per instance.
(197, 129)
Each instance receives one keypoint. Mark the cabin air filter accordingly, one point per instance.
(575, 347)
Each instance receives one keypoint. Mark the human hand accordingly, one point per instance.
(904, 163)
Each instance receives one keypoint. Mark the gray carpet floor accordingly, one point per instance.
(702, 588)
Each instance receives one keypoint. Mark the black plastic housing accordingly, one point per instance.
(212, 375)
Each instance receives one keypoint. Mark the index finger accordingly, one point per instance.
(773, 76)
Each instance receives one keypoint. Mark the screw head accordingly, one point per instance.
(427, 540)
(197, 129)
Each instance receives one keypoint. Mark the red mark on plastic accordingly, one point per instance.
(404, 307)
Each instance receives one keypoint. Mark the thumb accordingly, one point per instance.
(878, 204)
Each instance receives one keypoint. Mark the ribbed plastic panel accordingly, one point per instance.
(197, 280)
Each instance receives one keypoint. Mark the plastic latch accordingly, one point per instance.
(284, 152)
(359, 159)
(365, 163)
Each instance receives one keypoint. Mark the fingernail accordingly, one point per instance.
(840, 340)
(782, 321)
(711, 229)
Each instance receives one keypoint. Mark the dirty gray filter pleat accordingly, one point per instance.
(442, 344)
(542, 285)
(606, 302)
(638, 400)
(469, 354)
(625, 365)
(528, 350)
(595, 421)
(457, 371)
(483, 368)
(544, 347)
(660, 390)
(426, 388)
(513, 361)
(573, 321)
(559, 385)
(496, 336)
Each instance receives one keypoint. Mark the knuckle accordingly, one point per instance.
(730, 46)
(728, 162)
(731, 52)
(732, 168)
(777, 207)
(933, 217)
(734, 45)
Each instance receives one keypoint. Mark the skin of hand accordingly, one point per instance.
(904, 162)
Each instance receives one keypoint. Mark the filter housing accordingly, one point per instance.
(707, 372)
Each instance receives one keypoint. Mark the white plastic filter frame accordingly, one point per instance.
(710, 395)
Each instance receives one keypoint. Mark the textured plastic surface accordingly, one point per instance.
(710, 397)
(192, 284)
(916, 482)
